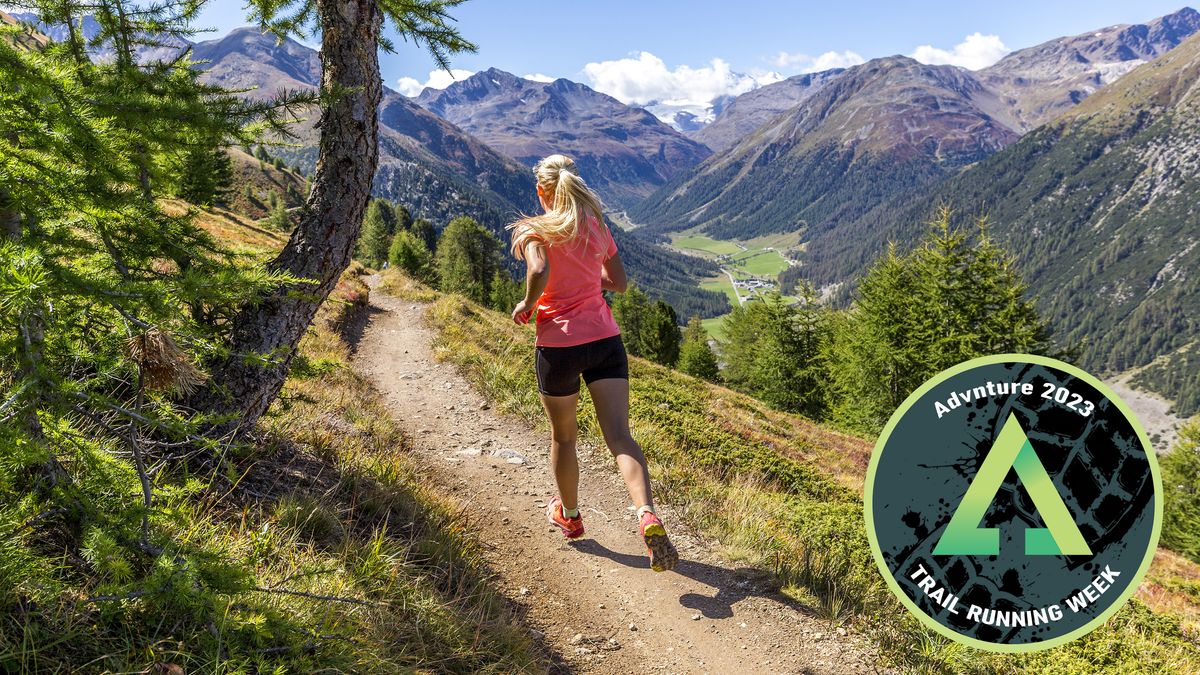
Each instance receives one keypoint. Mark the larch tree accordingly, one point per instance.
(266, 332)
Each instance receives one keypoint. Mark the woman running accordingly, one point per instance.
(570, 258)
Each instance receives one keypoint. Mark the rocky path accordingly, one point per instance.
(595, 603)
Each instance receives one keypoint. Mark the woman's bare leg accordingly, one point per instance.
(611, 398)
(563, 433)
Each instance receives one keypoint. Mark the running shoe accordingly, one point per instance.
(663, 555)
(572, 528)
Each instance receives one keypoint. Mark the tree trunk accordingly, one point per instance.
(266, 333)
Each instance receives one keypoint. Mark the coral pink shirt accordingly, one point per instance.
(572, 310)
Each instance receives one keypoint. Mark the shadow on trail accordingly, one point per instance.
(731, 584)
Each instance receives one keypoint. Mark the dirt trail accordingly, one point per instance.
(597, 603)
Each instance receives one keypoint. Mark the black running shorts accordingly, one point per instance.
(559, 368)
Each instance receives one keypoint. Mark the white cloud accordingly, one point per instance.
(538, 77)
(438, 79)
(812, 64)
(647, 79)
(974, 52)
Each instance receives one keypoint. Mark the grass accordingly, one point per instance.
(703, 244)
(715, 327)
(761, 263)
(722, 459)
(319, 548)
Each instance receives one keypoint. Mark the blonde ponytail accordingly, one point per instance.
(570, 199)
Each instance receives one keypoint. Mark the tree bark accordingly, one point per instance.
(266, 333)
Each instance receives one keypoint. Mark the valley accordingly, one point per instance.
(748, 270)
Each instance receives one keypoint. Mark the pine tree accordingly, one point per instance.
(379, 225)
(425, 230)
(467, 258)
(278, 219)
(773, 351)
(402, 220)
(506, 292)
(631, 310)
(696, 357)
(206, 175)
(953, 298)
(660, 335)
(409, 254)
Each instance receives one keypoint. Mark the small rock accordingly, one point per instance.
(515, 460)
(743, 624)
(695, 617)
(578, 639)
(537, 634)
(583, 651)
(841, 631)
(612, 644)
(633, 626)
(602, 605)
(525, 591)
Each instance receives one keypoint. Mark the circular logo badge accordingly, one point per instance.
(1012, 503)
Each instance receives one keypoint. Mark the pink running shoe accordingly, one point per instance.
(572, 528)
(663, 555)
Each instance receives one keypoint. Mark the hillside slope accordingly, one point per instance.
(887, 127)
(623, 152)
(722, 459)
(1099, 208)
(316, 547)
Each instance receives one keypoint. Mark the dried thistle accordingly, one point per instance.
(164, 365)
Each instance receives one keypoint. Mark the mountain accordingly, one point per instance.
(889, 126)
(1037, 84)
(428, 164)
(158, 48)
(1100, 208)
(745, 113)
(623, 152)
(435, 168)
(28, 39)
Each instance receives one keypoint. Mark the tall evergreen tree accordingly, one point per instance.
(953, 298)
(660, 335)
(696, 357)
(773, 351)
(206, 175)
(402, 219)
(425, 231)
(467, 258)
(278, 219)
(379, 226)
(506, 292)
(409, 254)
(631, 310)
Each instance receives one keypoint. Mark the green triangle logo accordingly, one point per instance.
(964, 536)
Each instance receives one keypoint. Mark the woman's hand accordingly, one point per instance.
(522, 312)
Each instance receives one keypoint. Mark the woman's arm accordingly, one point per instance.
(537, 275)
(612, 278)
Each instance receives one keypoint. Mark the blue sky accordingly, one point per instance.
(651, 48)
